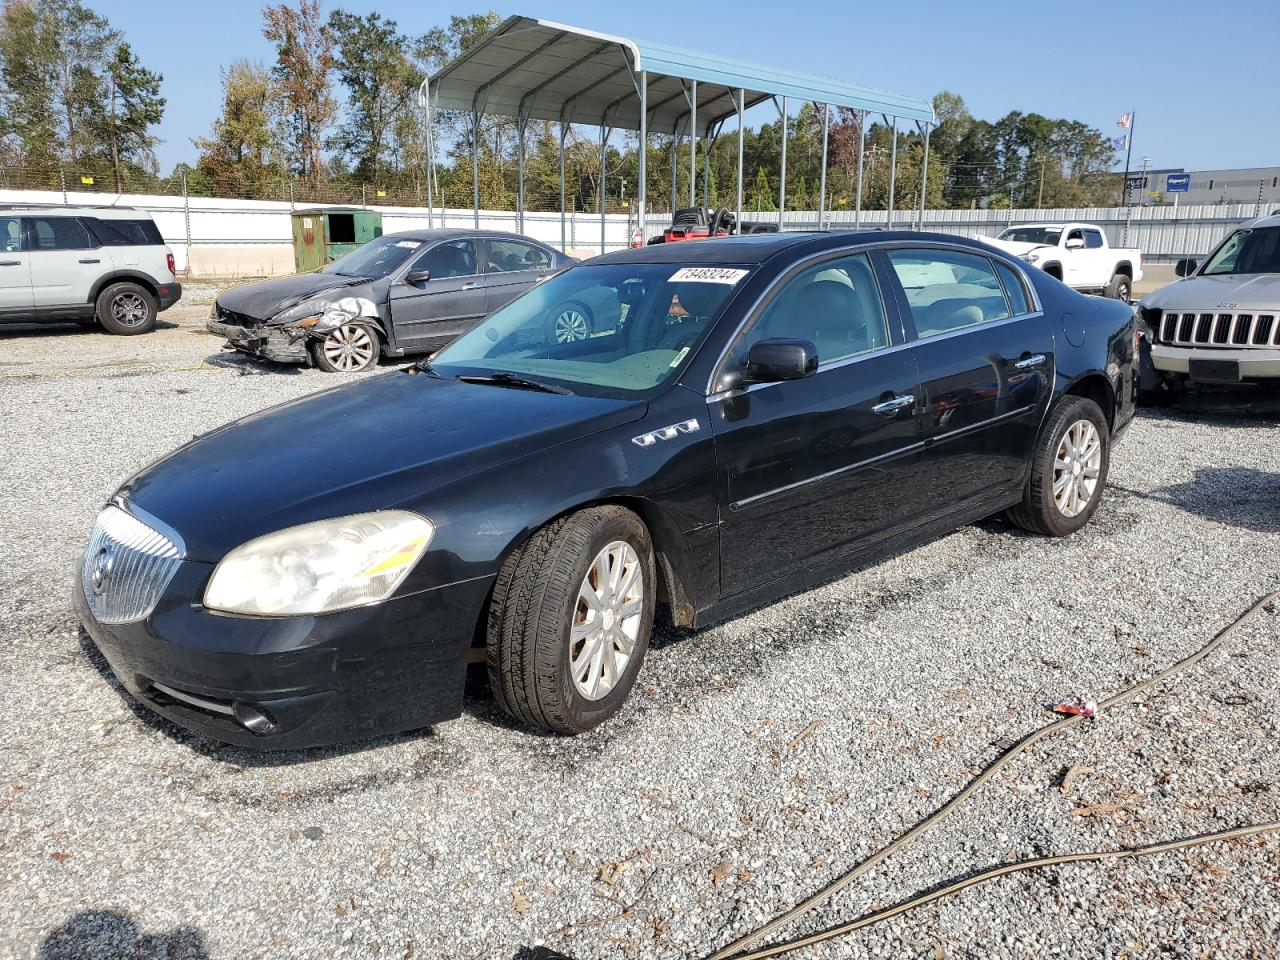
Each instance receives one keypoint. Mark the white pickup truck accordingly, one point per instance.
(1075, 253)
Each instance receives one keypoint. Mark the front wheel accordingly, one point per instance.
(570, 620)
(1068, 470)
(1120, 288)
(350, 348)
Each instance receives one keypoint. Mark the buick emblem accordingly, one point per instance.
(102, 564)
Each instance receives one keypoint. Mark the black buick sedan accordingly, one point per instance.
(763, 413)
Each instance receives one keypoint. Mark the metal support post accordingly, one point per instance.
(782, 181)
(862, 149)
(822, 179)
(475, 169)
(893, 172)
(642, 190)
(741, 110)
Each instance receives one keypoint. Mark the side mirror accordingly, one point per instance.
(1075, 243)
(417, 276)
(1186, 266)
(770, 361)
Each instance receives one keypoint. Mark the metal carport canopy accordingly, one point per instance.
(550, 71)
(534, 69)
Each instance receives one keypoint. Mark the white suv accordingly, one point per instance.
(82, 264)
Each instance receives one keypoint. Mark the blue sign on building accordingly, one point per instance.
(1177, 183)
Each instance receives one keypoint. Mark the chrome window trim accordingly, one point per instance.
(1033, 298)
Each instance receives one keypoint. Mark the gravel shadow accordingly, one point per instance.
(1234, 496)
(100, 934)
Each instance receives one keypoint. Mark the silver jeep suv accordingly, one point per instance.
(84, 264)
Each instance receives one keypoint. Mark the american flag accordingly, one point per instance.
(1119, 143)
(1124, 121)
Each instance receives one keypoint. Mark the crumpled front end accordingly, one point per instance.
(259, 339)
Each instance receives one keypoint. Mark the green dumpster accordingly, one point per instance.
(322, 234)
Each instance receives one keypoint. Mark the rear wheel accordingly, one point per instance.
(350, 348)
(126, 309)
(569, 322)
(1120, 288)
(1068, 471)
(570, 620)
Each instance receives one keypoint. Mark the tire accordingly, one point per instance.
(1120, 288)
(538, 599)
(126, 309)
(353, 347)
(569, 322)
(1047, 509)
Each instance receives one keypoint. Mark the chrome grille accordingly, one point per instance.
(1219, 329)
(126, 567)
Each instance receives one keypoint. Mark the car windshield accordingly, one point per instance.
(1046, 235)
(1247, 251)
(375, 259)
(618, 329)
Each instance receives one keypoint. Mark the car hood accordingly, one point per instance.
(372, 445)
(1241, 291)
(1019, 248)
(266, 298)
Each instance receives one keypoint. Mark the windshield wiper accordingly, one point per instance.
(503, 378)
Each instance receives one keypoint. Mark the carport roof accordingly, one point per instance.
(549, 71)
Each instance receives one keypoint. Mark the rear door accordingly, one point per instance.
(513, 267)
(429, 313)
(986, 358)
(15, 268)
(65, 261)
(821, 467)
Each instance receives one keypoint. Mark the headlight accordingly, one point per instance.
(320, 567)
(311, 310)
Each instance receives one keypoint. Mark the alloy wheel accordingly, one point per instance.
(349, 348)
(1076, 467)
(571, 325)
(128, 309)
(606, 620)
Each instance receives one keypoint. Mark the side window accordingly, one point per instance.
(1014, 289)
(1073, 235)
(948, 290)
(1092, 240)
(835, 304)
(60, 233)
(10, 234)
(125, 233)
(457, 258)
(506, 256)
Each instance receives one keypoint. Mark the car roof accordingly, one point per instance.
(761, 247)
(44, 209)
(458, 233)
(1270, 220)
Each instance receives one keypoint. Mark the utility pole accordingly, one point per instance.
(1040, 195)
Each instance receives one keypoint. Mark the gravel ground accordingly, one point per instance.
(756, 760)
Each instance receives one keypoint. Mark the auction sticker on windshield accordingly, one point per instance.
(708, 275)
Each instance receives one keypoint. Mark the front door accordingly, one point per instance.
(15, 268)
(65, 261)
(811, 470)
(429, 313)
(514, 266)
(986, 361)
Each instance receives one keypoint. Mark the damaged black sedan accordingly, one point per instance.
(759, 414)
(399, 294)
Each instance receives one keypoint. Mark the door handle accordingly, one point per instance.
(889, 408)
(10, 263)
(1031, 362)
(471, 286)
(90, 260)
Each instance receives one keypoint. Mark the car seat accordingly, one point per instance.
(13, 236)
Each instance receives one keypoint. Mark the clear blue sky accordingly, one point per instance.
(1181, 65)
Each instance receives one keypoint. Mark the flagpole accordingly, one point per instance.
(1128, 155)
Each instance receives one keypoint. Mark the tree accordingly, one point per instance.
(28, 54)
(242, 148)
(133, 106)
(303, 68)
(380, 80)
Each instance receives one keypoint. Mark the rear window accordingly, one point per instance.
(126, 233)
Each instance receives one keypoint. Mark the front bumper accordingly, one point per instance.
(269, 343)
(1254, 364)
(376, 670)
